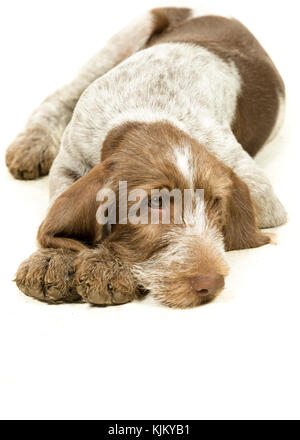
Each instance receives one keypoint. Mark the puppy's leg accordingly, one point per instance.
(32, 153)
(268, 208)
(98, 276)
(103, 277)
(48, 275)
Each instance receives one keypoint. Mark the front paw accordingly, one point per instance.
(103, 279)
(32, 154)
(48, 276)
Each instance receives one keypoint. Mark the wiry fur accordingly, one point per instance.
(103, 278)
(48, 275)
(185, 252)
(173, 101)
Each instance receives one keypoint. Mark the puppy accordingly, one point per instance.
(175, 101)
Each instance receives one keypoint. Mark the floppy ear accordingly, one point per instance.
(71, 222)
(240, 230)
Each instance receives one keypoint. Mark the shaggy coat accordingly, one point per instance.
(174, 101)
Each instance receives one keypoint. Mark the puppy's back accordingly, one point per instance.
(263, 89)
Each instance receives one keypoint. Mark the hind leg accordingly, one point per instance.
(34, 150)
(32, 153)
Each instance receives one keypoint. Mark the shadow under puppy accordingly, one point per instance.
(181, 102)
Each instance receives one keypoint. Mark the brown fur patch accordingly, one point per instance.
(240, 231)
(48, 275)
(71, 222)
(168, 18)
(258, 104)
(103, 276)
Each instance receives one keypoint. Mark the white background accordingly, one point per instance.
(235, 358)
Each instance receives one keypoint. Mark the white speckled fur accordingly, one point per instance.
(197, 104)
(200, 100)
(186, 85)
(183, 160)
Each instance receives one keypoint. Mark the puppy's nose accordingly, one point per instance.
(206, 285)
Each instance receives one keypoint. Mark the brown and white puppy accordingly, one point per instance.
(181, 102)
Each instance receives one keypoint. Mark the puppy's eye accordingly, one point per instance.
(155, 202)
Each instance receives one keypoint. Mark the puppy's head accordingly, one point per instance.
(172, 204)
